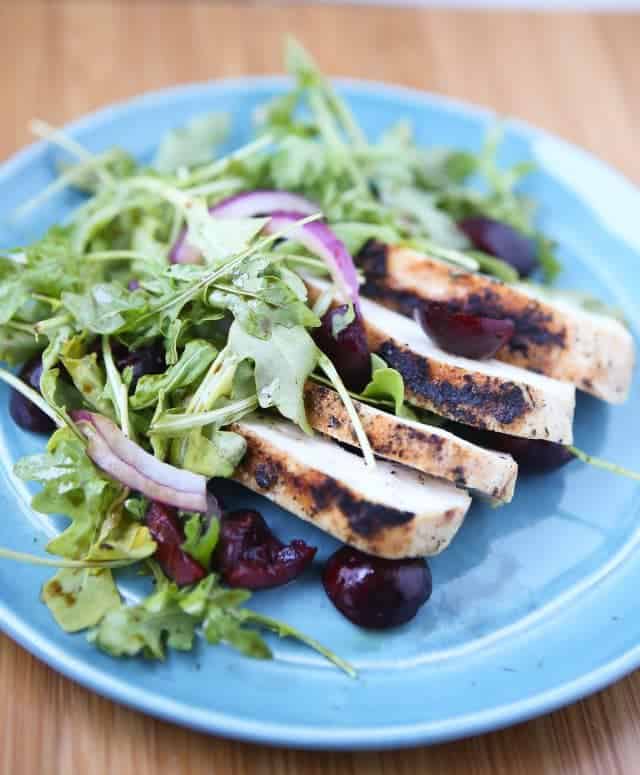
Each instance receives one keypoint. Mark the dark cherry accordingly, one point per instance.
(531, 455)
(349, 351)
(373, 592)
(149, 359)
(166, 531)
(249, 555)
(24, 412)
(502, 241)
(460, 333)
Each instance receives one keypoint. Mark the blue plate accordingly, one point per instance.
(534, 605)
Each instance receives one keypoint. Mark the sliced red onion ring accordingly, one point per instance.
(318, 238)
(285, 210)
(261, 202)
(129, 464)
(245, 205)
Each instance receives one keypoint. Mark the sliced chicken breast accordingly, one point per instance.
(485, 394)
(428, 449)
(556, 338)
(389, 511)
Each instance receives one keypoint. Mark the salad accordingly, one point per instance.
(364, 332)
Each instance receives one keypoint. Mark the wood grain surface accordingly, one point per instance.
(573, 74)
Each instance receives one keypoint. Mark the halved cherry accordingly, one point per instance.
(348, 351)
(460, 333)
(502, 241)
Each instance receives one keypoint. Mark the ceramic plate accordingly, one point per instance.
(534, 604)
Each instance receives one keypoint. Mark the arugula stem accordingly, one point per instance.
(56, 136)
(27, 328)
(286, 631)
(224, 186)
(55, 303)
(34, 559)
(365, 447)
(65, 180)
(180, 423)
(333, 139)
(217, 382)
(449, 255)
(605, 465)
(28, 392)
(220, 165)
(116, 255)
(119, 392)
(50, 324)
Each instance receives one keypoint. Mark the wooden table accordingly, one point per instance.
(572, 74)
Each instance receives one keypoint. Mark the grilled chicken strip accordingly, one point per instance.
(431, 450)
(593, 352)
(389, 511)
(485, 394)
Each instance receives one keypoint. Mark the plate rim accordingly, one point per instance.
(316, 736)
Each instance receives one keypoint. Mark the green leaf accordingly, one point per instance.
(87, 375)
(201, 543)
(495, 267)
(105, 308)
(340, 321)
(217, 239)
(196, 358)
(209, 452)
(355, 235)
(78, 597)
(169, 617)
(146, 628)
(192, 144)
(386, 385)
(71, 486)
(219, 627)
(13, 294)
(122, 537)
(17, 346)
(549, 264)
(283, 363)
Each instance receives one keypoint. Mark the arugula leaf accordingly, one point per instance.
(217, 239)
(105, 308)
(121, 536)
(87, 375)
(355, 235)
(283, 363)
(274, 303)
(147, 627)
(201, 539)
(386, 384)
(495, 267)
(192, 144)
(170, 616)
(549, 263)
(196, 358)
(71, 486)
(209, 451)
(13, 294)
(17, 346)
(79, 597)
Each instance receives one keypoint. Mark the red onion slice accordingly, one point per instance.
(245, 205)
(129, 464)
(286, 210)
(318, 239)
(262, 202)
